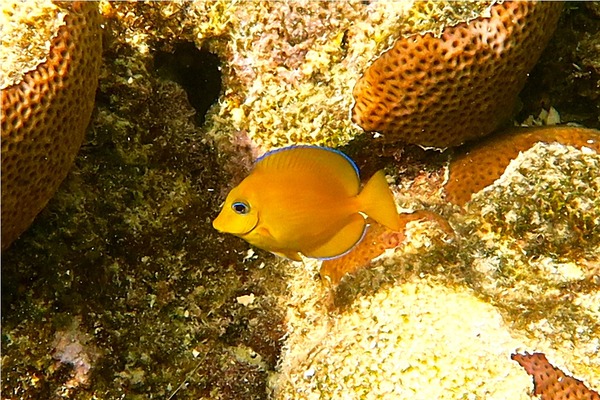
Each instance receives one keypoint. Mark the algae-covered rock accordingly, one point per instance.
(535, 241)
(122, 288)
(440, 319)
(546, 202)
(288, 69)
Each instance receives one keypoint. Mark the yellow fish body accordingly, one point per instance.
(306, 200)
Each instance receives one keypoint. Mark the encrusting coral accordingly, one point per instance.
(550, 382)
(417, 91)
(47, 100)
(480, 164)
(378, 238)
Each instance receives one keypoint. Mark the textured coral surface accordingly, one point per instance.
(550, 382)
(479, 165)
(45, 114)
(442, 91)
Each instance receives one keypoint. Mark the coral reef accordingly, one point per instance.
(125, 252)
(416, 92)
(47, 100)
(122, 289)
(550, 382)
(480, 164)
(306, 63)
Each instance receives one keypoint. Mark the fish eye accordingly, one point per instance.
(240, 208)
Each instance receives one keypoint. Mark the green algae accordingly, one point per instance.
(566, 76)
(126, 249)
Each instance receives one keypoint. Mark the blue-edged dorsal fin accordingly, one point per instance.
(323, 162)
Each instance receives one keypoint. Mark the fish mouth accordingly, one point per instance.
(220, 223)
(217, 225)
(235, 224)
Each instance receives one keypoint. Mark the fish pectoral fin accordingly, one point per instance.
(344, 240)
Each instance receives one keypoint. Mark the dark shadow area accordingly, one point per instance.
(196, 70)
(567, 74)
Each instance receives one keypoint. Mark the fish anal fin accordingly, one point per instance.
(344, 240)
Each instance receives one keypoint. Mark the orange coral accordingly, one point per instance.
(377, 239)
(44, 117)
(443, 91)
(550, 382)
(480, 164)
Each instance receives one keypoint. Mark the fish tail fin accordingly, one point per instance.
(376, 200)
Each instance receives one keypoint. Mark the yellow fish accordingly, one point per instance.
(306, 200)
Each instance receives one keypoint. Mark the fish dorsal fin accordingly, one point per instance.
(344, 240)
(325, 162)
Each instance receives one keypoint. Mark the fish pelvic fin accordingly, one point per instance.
(376, 200)
(290, 255)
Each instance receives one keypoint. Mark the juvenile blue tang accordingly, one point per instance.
(306, 200)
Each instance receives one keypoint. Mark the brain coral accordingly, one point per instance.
(47, 101)
(442, 91)
(480, 164)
